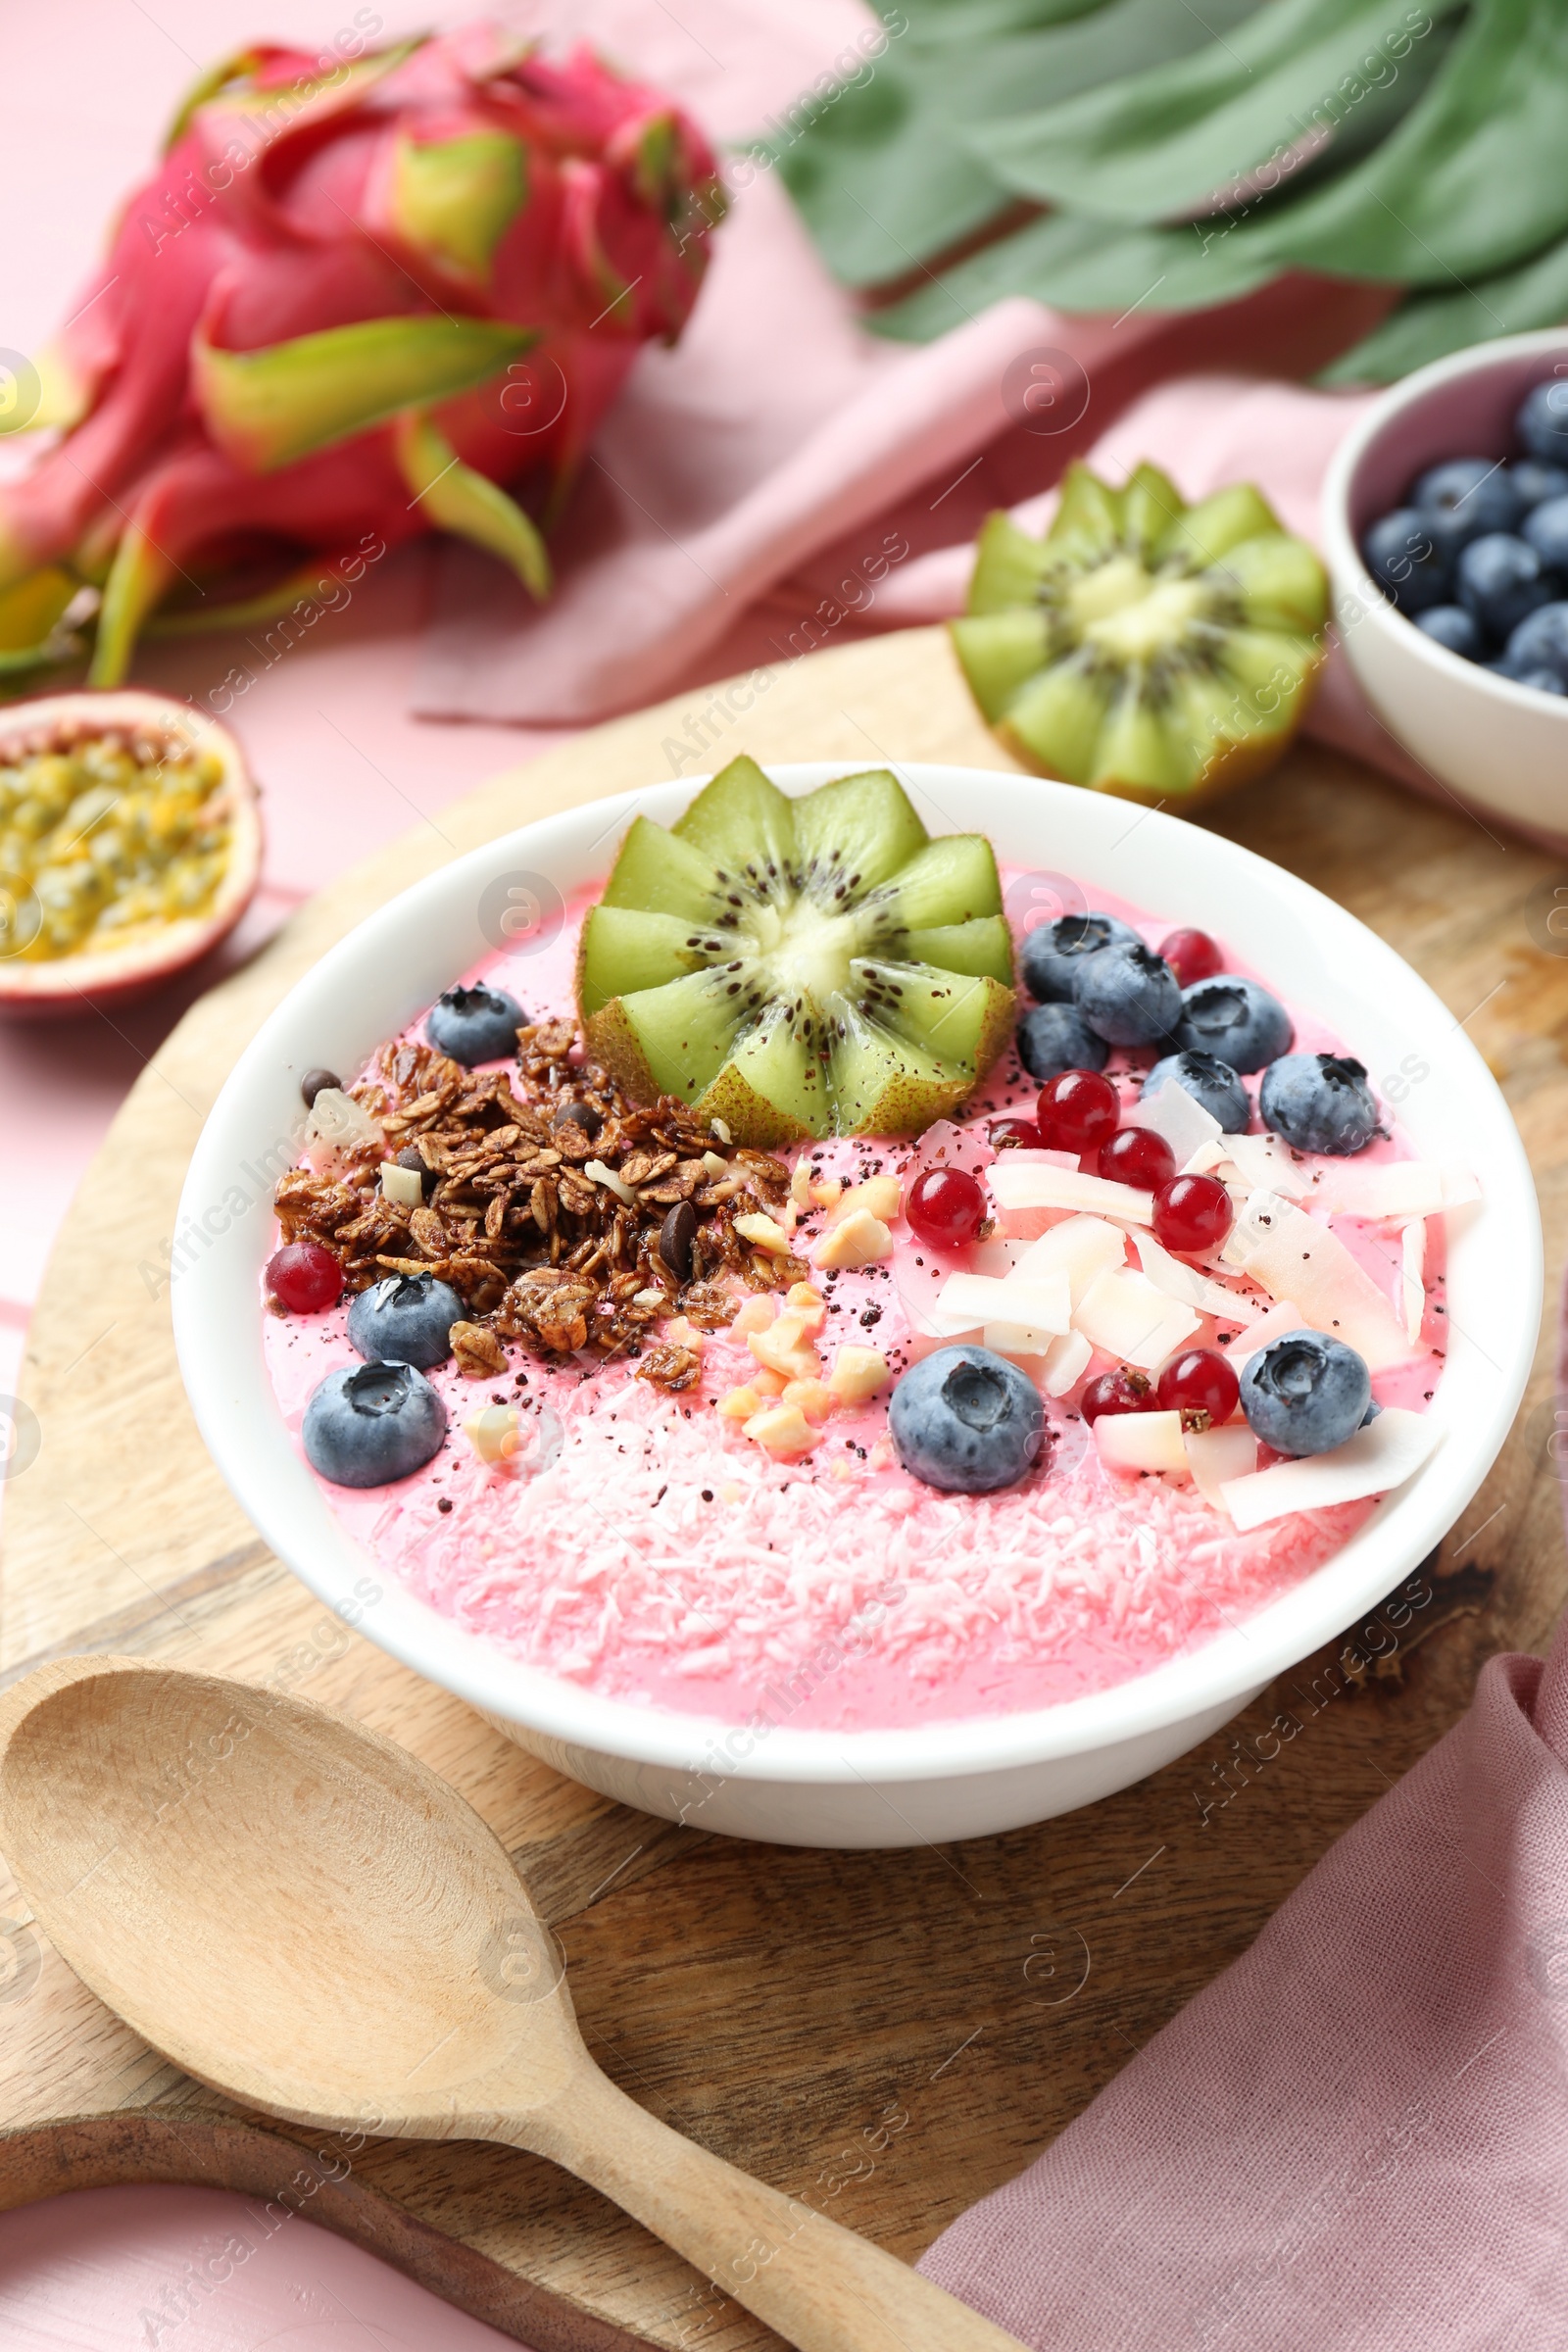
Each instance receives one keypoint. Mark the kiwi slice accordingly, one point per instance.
(1145, 647)
(799, 967)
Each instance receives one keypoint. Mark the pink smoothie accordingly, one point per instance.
(643, 1546)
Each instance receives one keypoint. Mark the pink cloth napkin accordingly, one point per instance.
(1358, 2134)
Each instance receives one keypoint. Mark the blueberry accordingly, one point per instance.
(1541, 642)
(1542, 422)
(1208, 1081)
(1545, 529)
(475, 1024)
(1536, 483)
(1544, 681)
(1052, 1037)
(1319, 1102)
(369, 1425)
(406, 1319)
(1402, 554)
(967, 1420)
(1452, 626)
(1051, 951)
(1233, 1019)
(1128, 994)
(1305, 1392)
(1500, 579)
(1465, 497)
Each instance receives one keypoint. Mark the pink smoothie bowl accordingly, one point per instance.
(947, 1778)
(1500, 745)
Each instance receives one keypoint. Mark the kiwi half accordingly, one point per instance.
(799, 967)
(1145, 647)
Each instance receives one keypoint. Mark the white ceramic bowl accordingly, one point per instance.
(1501, 745)
(946, 1779)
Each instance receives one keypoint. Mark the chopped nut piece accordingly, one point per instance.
(755, 1314)
(858, 1373)
(783, 1430)
(878, 1196)
(826, 1192)
(716, 1166)
(608, 1177)
(719, 1128)
(682, 1332)
(784, 1348)
(764, 1233)
(808, 1303)
(814, 1398)
(477, 1351)
(861, 1240)
(801, 1184)
(740, 1403)
(494, 1434)
(400, 1186)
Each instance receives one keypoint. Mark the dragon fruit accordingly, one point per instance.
(358, 296)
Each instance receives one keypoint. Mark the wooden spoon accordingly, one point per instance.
(302, 1914)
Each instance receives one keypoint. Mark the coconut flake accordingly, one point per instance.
(1396, 1188)
(608, 1177)
(1294, 1257)
(1019, 1339)
(1173, 1112)
(1216, 1456)
(965, 1300)
(1263, 1160)
(1142, 1442)
(1017, 1183)
(335, 1125)
(1412, 1276)
(1081, 1248)
(1376, 1459)
(1286, 1316)
(1186, 1283)
(1207, 1158)
(1123, 1314)
(1067, 1364)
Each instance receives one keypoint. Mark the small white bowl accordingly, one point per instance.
(946, 1779)
(1501, 745)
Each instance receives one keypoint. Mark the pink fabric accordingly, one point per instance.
(1358, 2134)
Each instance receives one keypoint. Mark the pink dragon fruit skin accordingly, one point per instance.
(357, 300)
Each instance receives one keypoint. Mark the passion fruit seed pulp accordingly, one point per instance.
(807, 968)
(104, 836)
(1145, 647)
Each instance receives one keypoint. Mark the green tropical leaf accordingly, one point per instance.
(1472, 181)
(1159, 143)
(1429, 326)
(1078, 265)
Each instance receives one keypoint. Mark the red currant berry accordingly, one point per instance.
(946, 1207)
(304, 1276)
(1192, 1214)
(1192, 956)
(1078, 1110)
(1015, 1134)
(1139, 1157)
(1120, 1391)
(1199, 1381)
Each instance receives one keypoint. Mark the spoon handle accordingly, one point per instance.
(818, 2285)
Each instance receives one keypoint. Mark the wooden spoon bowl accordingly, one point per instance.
(301, 1914)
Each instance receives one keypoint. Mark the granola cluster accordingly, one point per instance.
(565, 1216)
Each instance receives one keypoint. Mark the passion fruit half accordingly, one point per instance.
(130, 844)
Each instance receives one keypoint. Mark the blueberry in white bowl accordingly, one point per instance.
(406, 1319)
(475, 1024)
(1209, 1081)
(1236, 1021)
(1128, 994)
(1305, 1392)
(1500, 578)
(1465, 497)
(1536, 483)
(1052, 1038)
(1541, 642)
(1404, 558)
(1452, 626)
(1545, 529)
(1052, 952)
(967, 1420)
(1542, 421)
(368, 1424)
(1319, 1102)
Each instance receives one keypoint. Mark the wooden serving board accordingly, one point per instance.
(891, 2035)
